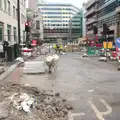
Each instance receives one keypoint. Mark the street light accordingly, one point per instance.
(51, 30)
(18, 16)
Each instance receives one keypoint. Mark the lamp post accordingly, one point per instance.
(18, 18)
(51, 30)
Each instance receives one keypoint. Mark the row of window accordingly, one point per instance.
(110, 21)
(55, 9)
(67, 13)
(9, 32)
(58, 17)
(70, 9)
(11, 10)
(56, 24)
(56, 21)
(108, 9)
(56, 31)
(5, 5)
(102, 2)
(76, 20)
(11, 35)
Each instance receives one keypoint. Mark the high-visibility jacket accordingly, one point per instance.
(54, 47)
(61, 47)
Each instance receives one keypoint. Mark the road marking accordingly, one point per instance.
(90, 91)
(72, 115)
(109, 109)
(97, 112)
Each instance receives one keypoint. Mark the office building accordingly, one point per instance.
(91, 16)
(34, 16)
(8, 21)
(104, 12)
(76, 27)
(57, 19)
(83, 21)
(108, 13)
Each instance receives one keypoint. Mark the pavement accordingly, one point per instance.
(92, 86)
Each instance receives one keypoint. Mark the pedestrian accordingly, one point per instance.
(5, 45)
(58, 48)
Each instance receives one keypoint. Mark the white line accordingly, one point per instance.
(72, 115)
(109, 109)
(98, 114)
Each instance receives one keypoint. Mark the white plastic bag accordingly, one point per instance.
(49, 59)
(55, 57)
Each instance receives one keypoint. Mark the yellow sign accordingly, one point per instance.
(107, 44)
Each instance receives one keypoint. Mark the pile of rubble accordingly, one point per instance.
(23, 102)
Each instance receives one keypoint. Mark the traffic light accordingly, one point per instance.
(27, 27)
(105, 29)
(95, 30)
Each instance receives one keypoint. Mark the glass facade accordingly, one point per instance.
(105, 15)
(1, 31)
(58, 17)
(8, 7)
(109, 20)
(15, 33)
(9, 32)
(108, 9)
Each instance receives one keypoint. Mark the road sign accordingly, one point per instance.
(108, 45)
(117, 42)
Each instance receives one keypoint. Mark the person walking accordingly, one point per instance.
(5, 45)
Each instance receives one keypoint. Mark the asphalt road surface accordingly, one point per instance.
(92, 86)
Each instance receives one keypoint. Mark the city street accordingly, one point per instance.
(93, 87)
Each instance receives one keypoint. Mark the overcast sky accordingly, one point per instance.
(77, 3)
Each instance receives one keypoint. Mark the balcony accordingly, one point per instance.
(90, 21)
(91, 11)
(90, 3)
(118, 9)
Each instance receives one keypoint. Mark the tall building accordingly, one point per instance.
(32, 4)
(107, 13)
(76, 27)
(99, 12)
(56, 19)
(35, 17)
(83, 21)
(91, 16)
(8, 20)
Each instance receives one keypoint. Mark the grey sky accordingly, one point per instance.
(77, 3)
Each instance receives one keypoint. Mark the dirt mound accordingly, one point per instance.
(23, 102)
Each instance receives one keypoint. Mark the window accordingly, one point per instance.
(23, 36)
(1, 31)
(38, 25)
(9, 7)
(9, 32)
(14, 11)
(16, 14)
(0, 4)
(24, 3)
(5, 5)
(14, 34)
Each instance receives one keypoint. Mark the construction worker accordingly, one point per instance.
(55, 48)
